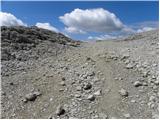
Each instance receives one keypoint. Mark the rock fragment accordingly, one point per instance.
(123, 92)
(91, 97)
(137, 84)
(87, 86)
(127, 115)
(98, 93)
(62, 83)
(31, 96)
(60, 110)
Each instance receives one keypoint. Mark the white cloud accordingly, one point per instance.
(128, 30)
(74, 30)
(103, 37)
(7, 19)
(145, 29)
(91, 20)
(46, 26)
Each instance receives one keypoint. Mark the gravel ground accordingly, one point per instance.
(103, 79)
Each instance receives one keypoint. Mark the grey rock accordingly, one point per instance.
(60, 110)
(137, 84)
(78, 88)
(130, 66)
(133, 101)
(91, 97)
(98, 93)
(123, 92)
(87, 86)
(62, 83)
(31, 96)
(156, 82)
(77, 95)
(127, 115)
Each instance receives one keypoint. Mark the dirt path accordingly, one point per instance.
(108, 79)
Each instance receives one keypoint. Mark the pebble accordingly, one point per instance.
(152, 98)
(11, 83)
(91, 97)
(61, 90)
(77, 95)
(3, 93)
(127, 115)
(78, 88)
(87, 86)
(98, 93)
(130, 66)
(123, 92)
(62, 83)
(133, 101)
(137, 84)
(125, 55)
(51, 99)
(31, 96)
(60, 110)
(63, 78)
(144, 84)
(145, 73)
(156, 82)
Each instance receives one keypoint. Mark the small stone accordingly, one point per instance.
(87, 86)
(153, 77)
(63, 78)
(144, 84)
(154, 65)
(51, 99)
(61, 90)
(133, 101)
(77, 95)
(31, 96)
(78, 88)
(60, 110)
(11, 83)
(130, 66)
(127, 115)
(145, 73)
(156, 82)
(88, 58)
(126, 61)
(98, 93)
(91, 97)
(137, 84)
(120, 78)
(152, 98)
(123, 92)
(125, 55)
(62, 83)
(91, 74)
(3, 93)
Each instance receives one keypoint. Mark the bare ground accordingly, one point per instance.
(103, 79)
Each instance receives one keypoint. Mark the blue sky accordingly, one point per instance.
(131, 14)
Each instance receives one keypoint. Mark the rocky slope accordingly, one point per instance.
(104, 79)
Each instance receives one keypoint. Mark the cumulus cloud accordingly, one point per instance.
(74, 30)
(145, 29)
(46, 26)
(91, 20)
(7, 19)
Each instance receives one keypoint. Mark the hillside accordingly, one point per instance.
(47, 75)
